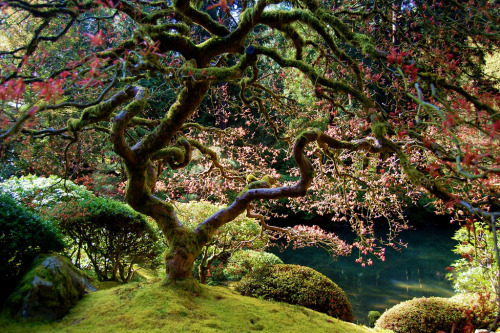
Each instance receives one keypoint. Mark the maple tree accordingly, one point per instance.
(375, 101)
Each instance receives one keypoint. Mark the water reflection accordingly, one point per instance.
(417, 271)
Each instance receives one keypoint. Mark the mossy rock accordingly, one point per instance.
(298, 285)
(48, 290)
(424, 315)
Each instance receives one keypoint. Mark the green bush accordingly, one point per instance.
(113, 236)
(44, 193)
(373, 316)
(247, 261)
(241, 229)
(297, 285)
(424, 315)
(23, 236)
(477, 270)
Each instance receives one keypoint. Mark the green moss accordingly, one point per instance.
(379, 129)
(365, 43)
(142, 307)
(47, 269)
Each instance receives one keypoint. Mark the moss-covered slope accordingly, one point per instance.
(139, 307)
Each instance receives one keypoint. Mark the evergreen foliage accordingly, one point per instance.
(23, 236)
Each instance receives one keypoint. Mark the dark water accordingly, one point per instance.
(416, 271)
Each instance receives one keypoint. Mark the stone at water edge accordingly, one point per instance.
(49, 289)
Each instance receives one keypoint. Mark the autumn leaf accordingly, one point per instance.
(97, 39)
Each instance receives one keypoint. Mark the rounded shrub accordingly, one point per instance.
(373, 316)
(113, 236)
(23, 236)
(298, 285)
(424, 315)
(481, 308)
(243, 262)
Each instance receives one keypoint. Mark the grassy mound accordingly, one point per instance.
(142, 307)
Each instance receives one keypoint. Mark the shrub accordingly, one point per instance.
(240, 229)
(44, 193)
(481, 308)
(477, 270)
(23, 236)
(299, 285)
(247, 261)
(424, 315)
(113, 236)
(373, 316)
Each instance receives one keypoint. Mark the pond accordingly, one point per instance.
(416, 271)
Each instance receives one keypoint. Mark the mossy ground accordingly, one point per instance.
(149, 307)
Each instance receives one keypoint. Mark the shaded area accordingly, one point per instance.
(416, 271)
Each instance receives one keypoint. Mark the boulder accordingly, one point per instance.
(49, 289)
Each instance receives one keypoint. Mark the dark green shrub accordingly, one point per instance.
(373, 316)
(23, 236)
(247, 261)
(297, 285)
(113, 236)
(424, 315)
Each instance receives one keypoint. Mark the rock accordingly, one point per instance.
(49, 289)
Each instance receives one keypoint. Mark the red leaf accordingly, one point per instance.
(97, 39)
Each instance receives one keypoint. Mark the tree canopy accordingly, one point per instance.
(376, 101)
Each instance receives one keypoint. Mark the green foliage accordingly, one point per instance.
(241, 229)
(242, 233)
(113, 236)
(481, 309)
(373, 316)
(424, 315)
(42, 192)
(477, 270)
(299, 285)
(23, 236)
(248, 261)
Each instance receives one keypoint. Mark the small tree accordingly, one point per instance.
(114, 237)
